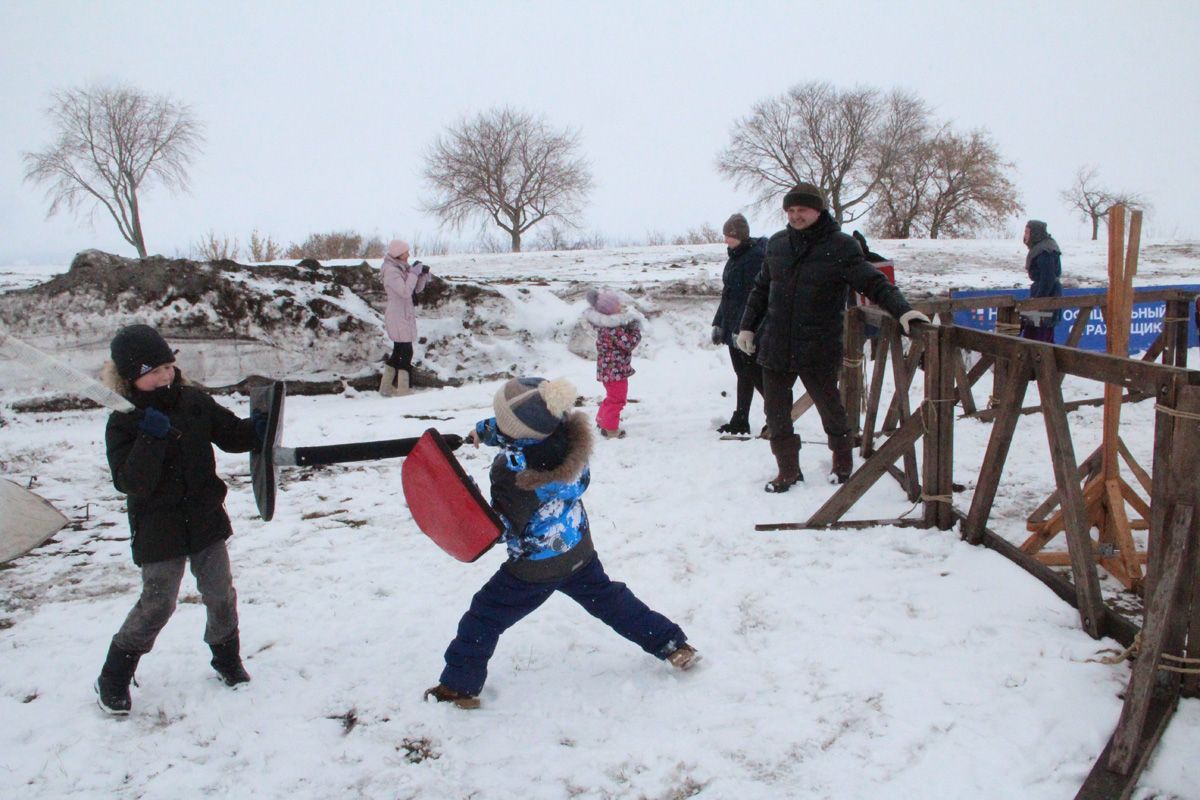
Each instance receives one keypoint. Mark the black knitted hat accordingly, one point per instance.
(805, 194)
(137, 349)
(737, 227)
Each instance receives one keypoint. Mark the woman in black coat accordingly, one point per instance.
(745, 259)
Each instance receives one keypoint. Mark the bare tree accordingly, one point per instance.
(212, 247)
(969, 188)
(263, 248)
(905, 166)
(842, 141)
(111, 141)
(509, 167)
(1093, 201)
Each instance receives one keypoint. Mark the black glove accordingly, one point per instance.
(424, 269)
(717, 334)
(154, 423)
(259, 418)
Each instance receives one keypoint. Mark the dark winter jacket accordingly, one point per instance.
(537, 489)
(800, 294)
(175, 499)
(737, 280)
(1043, 265)
(616, 337)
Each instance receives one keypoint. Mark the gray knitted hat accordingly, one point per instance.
(532, 408)
(737, 227)
(805, 194)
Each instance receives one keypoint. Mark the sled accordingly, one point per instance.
(26, 520)
(445, 503)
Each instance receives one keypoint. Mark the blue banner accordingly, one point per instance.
(1146, 326)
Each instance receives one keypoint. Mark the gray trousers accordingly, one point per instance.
(160, 591)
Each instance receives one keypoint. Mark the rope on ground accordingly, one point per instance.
(1128, 654)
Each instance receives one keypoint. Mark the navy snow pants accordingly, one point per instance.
(505, 600)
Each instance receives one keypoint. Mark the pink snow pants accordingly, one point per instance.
(609, 415)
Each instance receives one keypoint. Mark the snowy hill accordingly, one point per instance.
(882, 663)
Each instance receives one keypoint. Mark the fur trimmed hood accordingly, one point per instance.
(620, 320)
(579, 452)
(113, 380)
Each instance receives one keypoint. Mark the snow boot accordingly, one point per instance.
(787, 457)
(227, 661)
(112, 687)
(444, 694)
(387, 381)
(616, 433)
(683, 657)
(400, 385)
(739, 423)
(842, 448)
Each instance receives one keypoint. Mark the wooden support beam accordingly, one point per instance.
(1161, 608)
(887, 329)
(865, 476)
(1062, 454)
(842, 525)
(852, 369)
(997, 448)
(989, 414)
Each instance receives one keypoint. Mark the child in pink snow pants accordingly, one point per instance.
(617, 333)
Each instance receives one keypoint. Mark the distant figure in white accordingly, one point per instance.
(401, 281)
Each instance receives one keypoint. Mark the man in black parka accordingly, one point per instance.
(799, 298)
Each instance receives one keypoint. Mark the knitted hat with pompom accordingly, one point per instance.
(532, 408)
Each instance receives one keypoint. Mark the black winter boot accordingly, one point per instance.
(227, 661)
(112, 687)
(738, 424)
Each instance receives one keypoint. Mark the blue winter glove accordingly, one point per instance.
(154, 423)
(259, 418)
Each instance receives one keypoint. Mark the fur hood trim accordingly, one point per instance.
(612, 320)
(579, 452)
(113, 380)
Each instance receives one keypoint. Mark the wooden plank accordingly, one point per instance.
(865, 476)
(852, 369)
(1059, 559)
(1080, 325)
(998, 445)
(1186, 488)
(1062, 454)
(1159, 610)
(1164, 480)
(843, 525)
(887, 329)
(1104, 784)
(1087, 470)
(949, 358)
(800, 406)
(1142, 476)
(1131, 374)
(965, 398)
(980, 368)
(930, 411)
(1119, 533)
(989, 414)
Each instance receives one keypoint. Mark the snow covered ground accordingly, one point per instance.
(884, 663)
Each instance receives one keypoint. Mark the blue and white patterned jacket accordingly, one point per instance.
(545, 524)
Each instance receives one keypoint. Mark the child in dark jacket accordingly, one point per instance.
(161, 457)
(618, 332)
(538, 480)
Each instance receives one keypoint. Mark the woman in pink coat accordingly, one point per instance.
(401, 280)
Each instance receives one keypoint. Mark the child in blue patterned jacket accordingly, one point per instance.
(538, 480)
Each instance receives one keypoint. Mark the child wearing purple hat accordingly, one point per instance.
(618, 332)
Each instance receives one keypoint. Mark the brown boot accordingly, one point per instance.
(787, 457)
(444, 694)
(842, 448)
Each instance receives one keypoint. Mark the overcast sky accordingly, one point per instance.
(318, 114)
